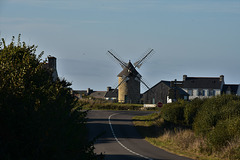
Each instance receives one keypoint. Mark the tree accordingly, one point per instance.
(39, 117)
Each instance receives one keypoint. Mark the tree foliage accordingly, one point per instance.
(39, 117)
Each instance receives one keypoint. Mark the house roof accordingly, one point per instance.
(182, 92)
(112, 93)
(129, 71)
(80, 92)
(98, 94)
(230, 87)
(202, 82)
(165, 82)
(168, 83)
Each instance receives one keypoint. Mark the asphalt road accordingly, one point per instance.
(119, 139)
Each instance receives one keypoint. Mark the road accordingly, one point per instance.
(120, 140)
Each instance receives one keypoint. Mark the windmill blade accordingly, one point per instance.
(146, 85)
(148, 54)
(118, 59)
(141, 80)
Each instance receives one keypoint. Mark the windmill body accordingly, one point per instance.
(129, 85)
(129, 79)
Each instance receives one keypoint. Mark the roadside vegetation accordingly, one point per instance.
(99, 104)
(39, 117)
(200, 129)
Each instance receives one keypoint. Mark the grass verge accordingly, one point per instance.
(175, 139)
(96, 104)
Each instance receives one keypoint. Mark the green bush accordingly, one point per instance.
(206, 118)
(219, 135)
(174, 112)
(231, 109)
(224, 132)
(38, 116)
(105, 105)
(218, 120)
(214, 109)
(191, 109)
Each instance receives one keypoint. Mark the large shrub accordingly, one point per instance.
(191, 109)
(218, 120)
(225, 131)
(38, 116)
(212, 111)
(174, 112)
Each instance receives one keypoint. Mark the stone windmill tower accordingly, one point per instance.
(129, 79)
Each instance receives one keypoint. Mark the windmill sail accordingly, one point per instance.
(129, 79)
(139, 63)
(118, 59)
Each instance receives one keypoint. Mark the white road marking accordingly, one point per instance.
(110, 124)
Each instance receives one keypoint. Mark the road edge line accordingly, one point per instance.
(115, 137)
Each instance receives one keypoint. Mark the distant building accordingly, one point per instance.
(79, 93)
(231, 89)
(189, 89)
(129, 85)
(202, 87)
(98, 94)
(112, 94)
(164, 92)
(205, 87)
(52, 66)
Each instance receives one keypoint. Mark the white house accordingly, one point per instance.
(205, 87)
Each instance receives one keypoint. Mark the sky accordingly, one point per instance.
(189, 37)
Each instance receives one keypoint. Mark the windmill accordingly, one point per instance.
(129, 79)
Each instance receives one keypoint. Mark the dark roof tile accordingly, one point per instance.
(98, 94)
(202, 82)
(129, 71)
(112, 93)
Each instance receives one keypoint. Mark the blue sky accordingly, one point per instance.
(193, 37)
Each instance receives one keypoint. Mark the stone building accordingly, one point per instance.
(129, 85)
(52, 66)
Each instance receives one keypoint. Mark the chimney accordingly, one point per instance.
(222, 78)
(184, 77)
(52, 62)
(89, 91)
(109, 89)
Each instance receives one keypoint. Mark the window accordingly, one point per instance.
(190, 92)
(211, 93)
(203, 92)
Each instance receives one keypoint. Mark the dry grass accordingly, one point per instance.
(183, 141)
(231, 151)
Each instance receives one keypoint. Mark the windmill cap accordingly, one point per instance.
(129, 71)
